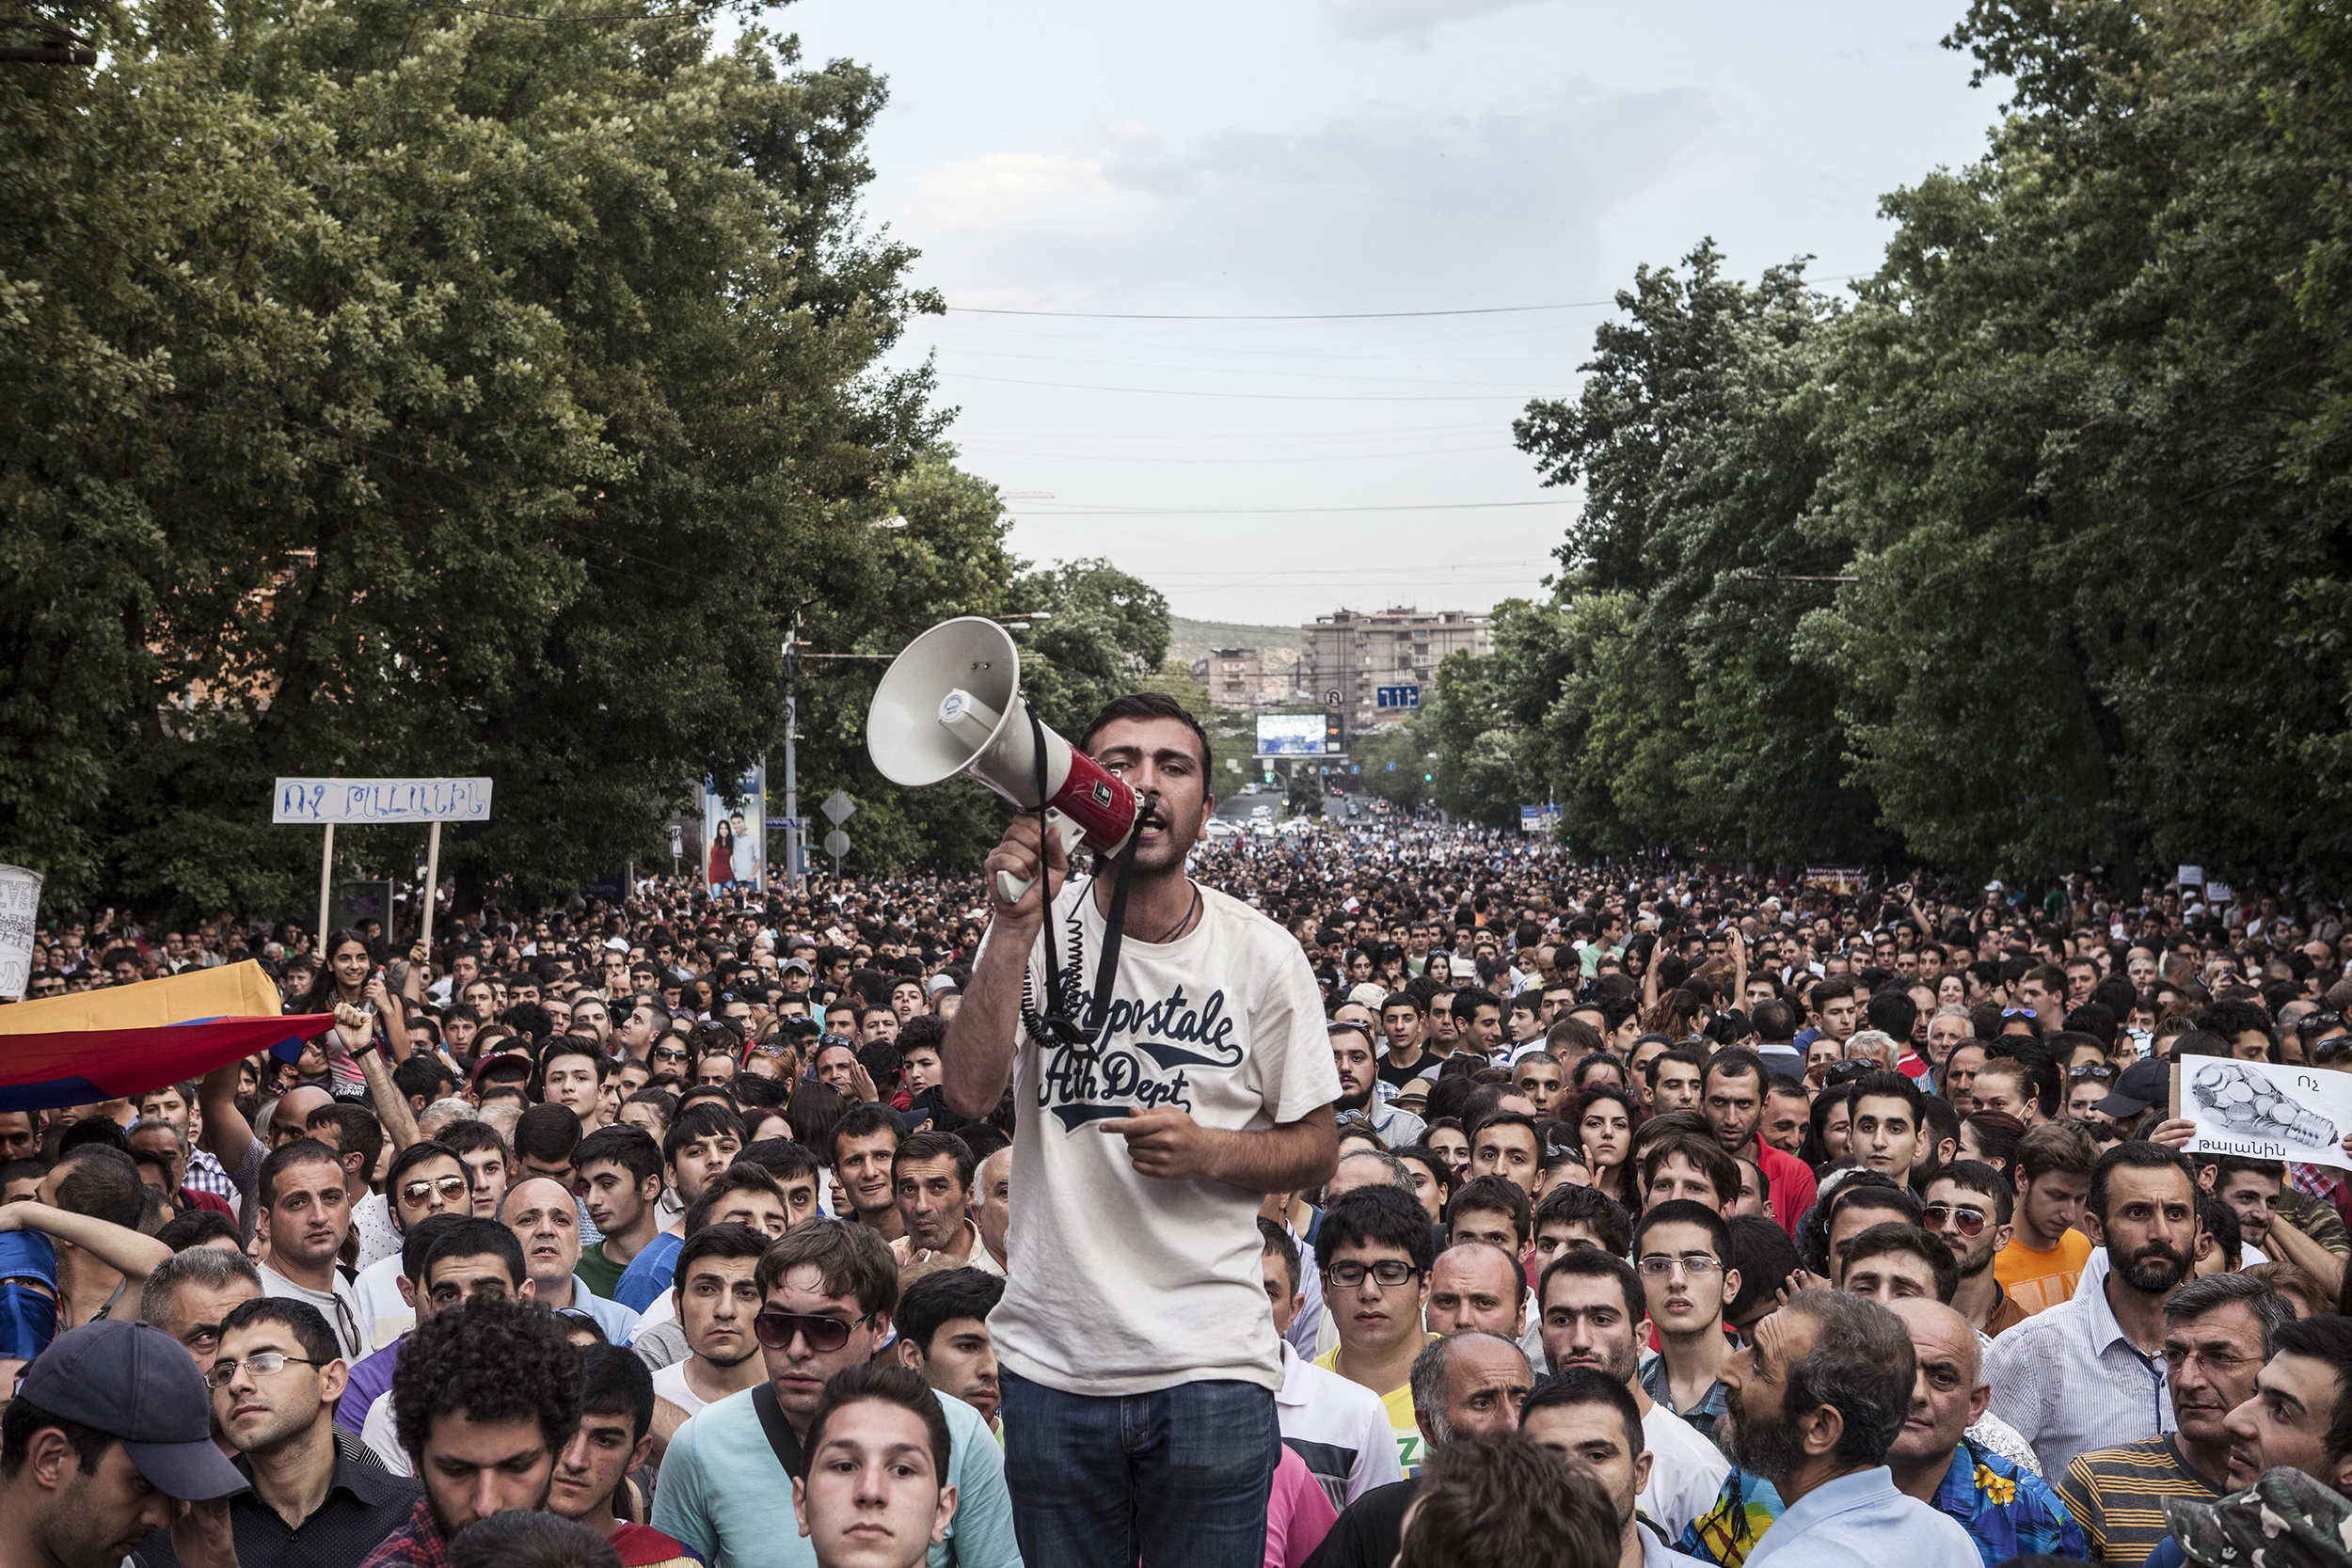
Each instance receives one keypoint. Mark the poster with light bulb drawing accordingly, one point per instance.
(2266, 1110)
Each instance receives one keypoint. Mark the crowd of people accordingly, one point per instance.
(1397, 1194)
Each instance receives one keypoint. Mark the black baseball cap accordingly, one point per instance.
(2141, 1086)
(136, 1384)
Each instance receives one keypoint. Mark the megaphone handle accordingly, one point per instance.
(1012, 889)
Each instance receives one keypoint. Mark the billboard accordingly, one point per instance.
(1291, 735)
(735, 840)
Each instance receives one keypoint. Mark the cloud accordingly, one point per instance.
(1409, 19)
(1385, 208)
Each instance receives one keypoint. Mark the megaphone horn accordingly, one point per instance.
(951, 703)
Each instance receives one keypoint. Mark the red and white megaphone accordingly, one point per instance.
(951, 703)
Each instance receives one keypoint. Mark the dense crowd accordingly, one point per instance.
(1630, 1214)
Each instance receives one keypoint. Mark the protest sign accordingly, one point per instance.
(20, 904)
(2265, 1111)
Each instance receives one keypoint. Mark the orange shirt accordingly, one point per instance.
(2038, 1280)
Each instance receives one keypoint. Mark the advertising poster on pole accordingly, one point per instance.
(2265, 1111)
(735, 831)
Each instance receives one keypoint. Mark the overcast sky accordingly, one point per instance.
(1325, 157)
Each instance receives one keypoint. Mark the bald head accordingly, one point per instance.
(1475, 1285)
(286, 1123)
(1933, 1325)
(544, 1218)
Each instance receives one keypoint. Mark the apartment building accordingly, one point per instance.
(1379, 661)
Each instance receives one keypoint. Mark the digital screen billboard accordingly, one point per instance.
(1291, 735)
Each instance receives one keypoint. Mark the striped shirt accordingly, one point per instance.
(2117, 1495)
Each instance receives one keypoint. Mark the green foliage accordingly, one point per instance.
(2079, 447)
(402, 392)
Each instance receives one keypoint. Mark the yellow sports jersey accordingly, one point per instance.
(1412, 1450)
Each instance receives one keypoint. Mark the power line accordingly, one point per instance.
(1254, 397)
(1331, 316)
(1347, 316)
(1267, 511)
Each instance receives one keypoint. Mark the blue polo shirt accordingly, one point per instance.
(723, 1495)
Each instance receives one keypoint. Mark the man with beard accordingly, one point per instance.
(1588, 1419)
(1731, 1097)
(1152, 1179)
(1936, 1458)
(2089, 1370)
(1968, 1208)
(1359, 1083)
(2218, 1333)
(1814, 1407)
(485, 1397)
(1595, 1315)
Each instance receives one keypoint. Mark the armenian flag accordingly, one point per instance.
(119, 1041)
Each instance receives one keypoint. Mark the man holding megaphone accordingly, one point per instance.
(1138, 1359)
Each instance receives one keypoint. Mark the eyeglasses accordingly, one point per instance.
(776, 1330)
(2220, 1365)
(1388, 1273)
(667, 1054)
(1698, 1265)
(1968, 1222)
(2093, 1069)
(268, 1364)
(449, 1187)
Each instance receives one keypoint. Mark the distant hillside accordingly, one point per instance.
(1191, 640)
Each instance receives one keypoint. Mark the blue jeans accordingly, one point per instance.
(1180, 1475)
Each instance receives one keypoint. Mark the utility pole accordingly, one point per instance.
(792, 861)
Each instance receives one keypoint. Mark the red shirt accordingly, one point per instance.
(1792, 1185)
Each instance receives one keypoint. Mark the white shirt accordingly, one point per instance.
(384, 1313)
(372, 1217)
(350, 1326)
(1340, 1428)
(1685, 1475)
(382, 1436)
(669, 1383)
(2069, 1380)
(1224, 1023)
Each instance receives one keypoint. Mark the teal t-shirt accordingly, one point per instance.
(724, 1496)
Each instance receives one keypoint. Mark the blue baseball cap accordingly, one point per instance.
(136, 1384)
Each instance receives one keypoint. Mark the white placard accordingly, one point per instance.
(2191, 876)
(20, 907)
(321, 800)
(2264, 1111)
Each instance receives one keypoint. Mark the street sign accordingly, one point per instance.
(836, 844)
(1331, 698)
(1396, 696)
(837, 808)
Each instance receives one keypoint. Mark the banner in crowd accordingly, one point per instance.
(2267, 1111)
(229, 990)
(735, 831)
(20, 907)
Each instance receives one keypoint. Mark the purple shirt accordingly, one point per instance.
(369, 1379)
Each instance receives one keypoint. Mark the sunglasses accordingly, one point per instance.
(1968, 1222)
(450, 1187)
(2091, 1069)
(777, 1330)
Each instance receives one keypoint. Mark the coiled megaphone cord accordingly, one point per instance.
(1065, 1008)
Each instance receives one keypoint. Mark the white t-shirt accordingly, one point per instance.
(1340, 1428)
(1122, 1283)
(1684, 1477)
(670, 1383)
(384, 1313)
(349, 1325)
(381, 1434)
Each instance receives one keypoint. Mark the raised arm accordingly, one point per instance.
(352, 1027)
(226, 1134)
(126, 1251)
(976, 1058)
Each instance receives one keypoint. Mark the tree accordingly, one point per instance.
(387, 392)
